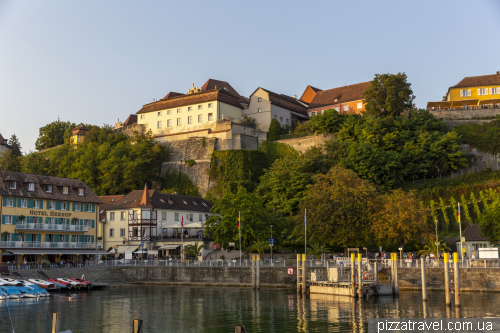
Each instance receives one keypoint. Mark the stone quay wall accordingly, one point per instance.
(465, 114)
(306, 142)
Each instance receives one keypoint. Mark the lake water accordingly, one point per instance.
(209, 309)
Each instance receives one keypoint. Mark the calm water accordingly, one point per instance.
(207, 309)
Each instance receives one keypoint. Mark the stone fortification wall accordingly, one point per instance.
(129, 130)
(450, 123)
(465, 114)
(306, 142)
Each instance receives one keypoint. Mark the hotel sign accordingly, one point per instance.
(44, 213)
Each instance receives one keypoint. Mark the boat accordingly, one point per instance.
(26, 292)
(12, 292)
(60, 284)
(11, 282)
(75, 284)
(3, 294)
(83, 282)
(36, 289)
(43, 284)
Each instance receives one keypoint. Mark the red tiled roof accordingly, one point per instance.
(170, 95)
(212, 84)
(285, 102)
(132, 119)
(338, 95)
(478, 81)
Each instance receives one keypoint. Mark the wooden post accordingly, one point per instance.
(360, 281)
(375, 274)
(304, 273)
(396, 274)
(353, 282)
(137, 326)
(258, 271)
(55, 323)
(457, 280)
(424, 281)
(299, 257)
(239, 329)
(447, 280)
(392, 273)
(253, 271)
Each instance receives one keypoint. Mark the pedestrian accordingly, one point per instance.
(25, 262)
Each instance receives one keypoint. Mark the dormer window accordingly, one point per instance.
(194, 203)
(81, 191)
(49, 188)
(65, 190)
(12, 185)
(185, 202)
(31, 186)
(204, 204)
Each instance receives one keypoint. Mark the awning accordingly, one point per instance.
(141, 251)
(467, 102)
(124, 248)
(442, 104)
(489, 101)
(194, 225)
(6, 254)
(60, 251)
(168, 247)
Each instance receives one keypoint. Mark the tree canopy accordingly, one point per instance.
(52, 134)
(274, 130)
(16, 145)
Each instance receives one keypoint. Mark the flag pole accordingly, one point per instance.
(305, 231)
(239, 227)
(182, 238)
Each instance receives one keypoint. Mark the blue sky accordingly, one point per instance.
(96, 61)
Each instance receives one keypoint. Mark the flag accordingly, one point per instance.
(238, 221)
(182, 221)
(458, 212)
(305, 213)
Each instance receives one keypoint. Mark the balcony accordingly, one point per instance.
(48, 245)
(51, 226)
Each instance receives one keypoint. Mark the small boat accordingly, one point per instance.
(11, 282)
(83, 282)
(12, 292)
(3, 294)
(60, 284)
(75, 284)
(43, 284)
(27, 292)
(37, 290)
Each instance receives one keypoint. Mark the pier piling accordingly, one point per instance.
(253, 271)
(396, 275)
(457, 280)
(257, 263)
(299, 257)
(447, 280)
(55, 323)
(137, 326)
(424, 281)
(304, 273)
(360, 281)
(353, 281)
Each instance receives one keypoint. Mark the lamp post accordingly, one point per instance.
(271, 244)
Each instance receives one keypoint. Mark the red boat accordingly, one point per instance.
(83, 282)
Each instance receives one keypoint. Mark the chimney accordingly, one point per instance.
(498, 73)
(216, 86)
(295, 96)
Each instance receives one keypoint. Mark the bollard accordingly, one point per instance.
(353, 282)
(375, 274)
(396, 275)
(253, 271)
(457, 280)
(447, 280)
(55, 323)
(304, 273)
(298, 272)
(258, 272)
(424, 281)
(392, 272)
(360, 281)
(137, 326)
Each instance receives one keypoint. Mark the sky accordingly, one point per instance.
(96, 61)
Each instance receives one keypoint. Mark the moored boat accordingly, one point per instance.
(11, 282)
(12, 292)
(36, 289)
(3, 294)
(43, 284)
(75, 284)
(60, 285)
(83, 282)
(26, 292)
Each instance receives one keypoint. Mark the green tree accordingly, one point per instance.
(490, 216)
(178, 182)
(10, 162)
(340, 208)
(52, 134)
(329, 122)
(388, 95)
(16, 146)
(274, 130)
(259, 246)
(316, 249)
(222, 225)
(431, 247)
(193, 249)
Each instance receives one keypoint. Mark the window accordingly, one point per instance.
(200, 118)
(190, 120)
(122, 232)
(111, 233)
(169, 112)
(36, 204)
(287, 120)
(482, 91)
(360, 105)
(346, 107)
(169, 123)
(210, 105)
(337, 108)
(52, 205)
(13, 184)
(176, 216)
(31, 186)
(179, 110)
(65, 190)
(159, 114)
(164, 216)
(191, 217)
(81, 191)
(200, 217)
(465, 93)
(204, 204)
(143, 116)
(49, 189)
(259, 110)
(136, 232)
(179, 121)
(259, 99)
(313, 113)
(494, 91)
(24, 203)
(158, 125)
(112, 216)
(281, 119)
(77, 207)
(89, 208)
(210, 116)
(122, 216)
(200, 107)
(64, 206)
(8, 219)
(190, 108)
(275, 116)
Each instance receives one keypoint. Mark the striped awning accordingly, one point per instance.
(169, 247)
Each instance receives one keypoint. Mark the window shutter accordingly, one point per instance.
(41, 204)
(14, 202)
(5, 201)
(93, 208)
(461, 93)
(81, 221)
(2, 238)
(39, 238)
(3, 219)
(30, 203)
(67, 221)
(92, 238)
(58, 205)
(46, 220)
(491, 91)
(470, 92)
(93, 224)
(14, 219)
(46, 237)
(74, 206)
(479, 91)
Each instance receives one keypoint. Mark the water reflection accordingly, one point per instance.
(197, 309)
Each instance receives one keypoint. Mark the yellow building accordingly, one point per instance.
(44, 216)
(78, 134)
(473, 92)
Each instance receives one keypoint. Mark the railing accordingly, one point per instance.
(51, 226)
(439, 263)
(23, 244)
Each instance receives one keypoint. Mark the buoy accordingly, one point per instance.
(365, 275)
